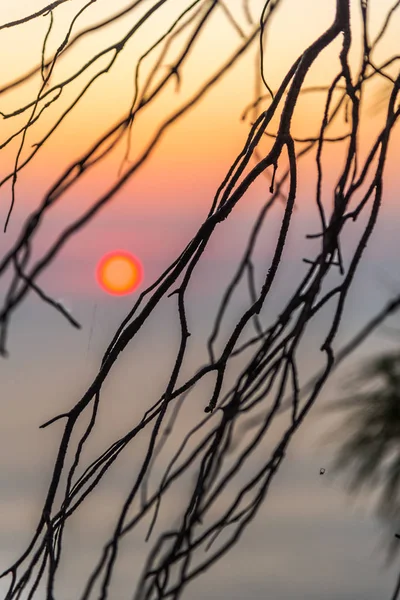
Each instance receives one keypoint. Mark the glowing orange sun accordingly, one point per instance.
(119, 273)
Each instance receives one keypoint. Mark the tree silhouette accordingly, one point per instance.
(268, 382)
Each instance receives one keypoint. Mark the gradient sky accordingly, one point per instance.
(309, 540)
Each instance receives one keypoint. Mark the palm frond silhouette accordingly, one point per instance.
(370, 452)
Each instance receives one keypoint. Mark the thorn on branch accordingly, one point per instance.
(53, 420)
(174, 292)
(271, 187)
(174, 71)
(313, 236)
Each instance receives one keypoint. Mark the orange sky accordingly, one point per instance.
(213, 130)
(193, 157)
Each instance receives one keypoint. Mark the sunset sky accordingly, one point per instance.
(299, 549)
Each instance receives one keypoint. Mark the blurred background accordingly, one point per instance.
(311, 539)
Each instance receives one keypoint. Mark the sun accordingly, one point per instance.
(119, 273)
